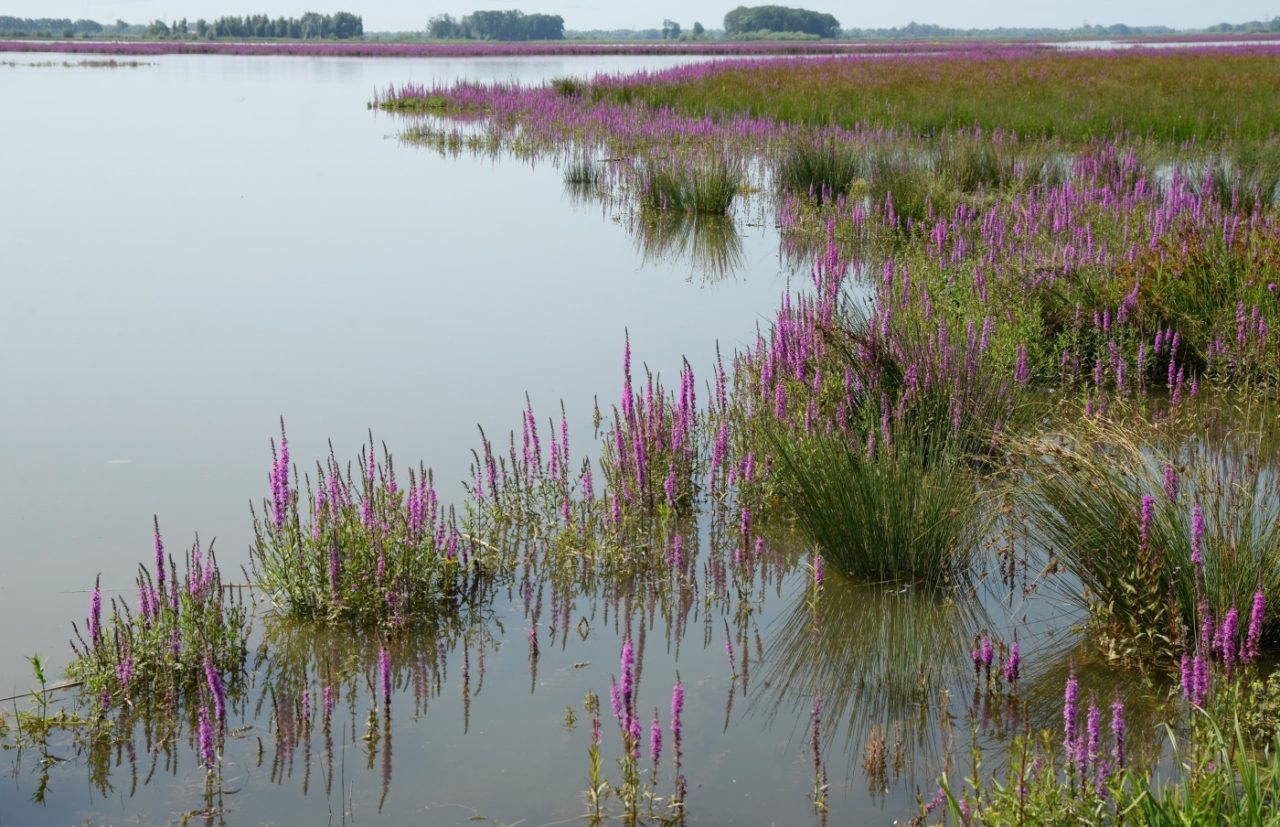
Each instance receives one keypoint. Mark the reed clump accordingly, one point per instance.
(1155, 540)
(706, 187)
(904, 510)
(823, 169)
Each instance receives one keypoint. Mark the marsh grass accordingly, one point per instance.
(1245, 178)
(702, 186)
(1212, 775)
(823, 169)
(1184, 93)
(909, 512)
(1083, 494)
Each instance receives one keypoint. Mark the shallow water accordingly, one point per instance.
(198, 247)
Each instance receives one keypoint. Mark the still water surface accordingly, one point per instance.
(194, 248)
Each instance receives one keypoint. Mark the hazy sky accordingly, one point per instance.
(381, 15)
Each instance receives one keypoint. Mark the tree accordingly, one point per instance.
(744, 20)
(697, 29)
(670, 30)
(347, 25)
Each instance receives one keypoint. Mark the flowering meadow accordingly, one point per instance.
(1005, 455)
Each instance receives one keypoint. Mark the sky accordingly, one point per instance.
(411, 15)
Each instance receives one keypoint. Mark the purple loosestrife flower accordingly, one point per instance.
(1200, 680)
(1254, 635)
(1118, 732)
(207, 755)
(1022, 373)
(819, 570)
(627, 687)
(1094, 728)
(677, 709)
(1069, 701)
(159, 546)
(1188, 685)
(1012, 665)
(95, 612)
(655, 739)
(1171, 482)
(1227, 646)
(124, 671)
(384, 669)
(216, 689)
(815, 736)
(988, 654)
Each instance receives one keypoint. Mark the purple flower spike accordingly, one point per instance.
(655, 739)
(677, 707)
(95, 612)
(216, 689)
(1254, 635)
(384, 669)
(1069, 700)
(208, 757)
(1197, 536)
(1012, 665)
(1094, 732)
(1117, 731)
(1227, 644)
(1171, 482)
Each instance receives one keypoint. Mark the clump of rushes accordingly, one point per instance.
(824, 168)
(186, 633)
(1155, 550)
(368, 551)
(905, 510)
(699, 186)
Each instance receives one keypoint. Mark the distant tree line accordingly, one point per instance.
(747, 20)
(48, 26)
(311, 26)
(928, 31)
(497, 25)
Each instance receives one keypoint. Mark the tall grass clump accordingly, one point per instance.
(367, 550)
(1244, 178)
(1157, 541)
(904, 510)
(700, 186)
(823, 169)
(906, 188)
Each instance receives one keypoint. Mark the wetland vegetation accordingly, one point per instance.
(1005, 455)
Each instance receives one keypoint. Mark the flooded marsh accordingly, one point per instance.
(909, 466)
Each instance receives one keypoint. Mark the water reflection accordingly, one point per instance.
(711, 244)
(882, 660)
